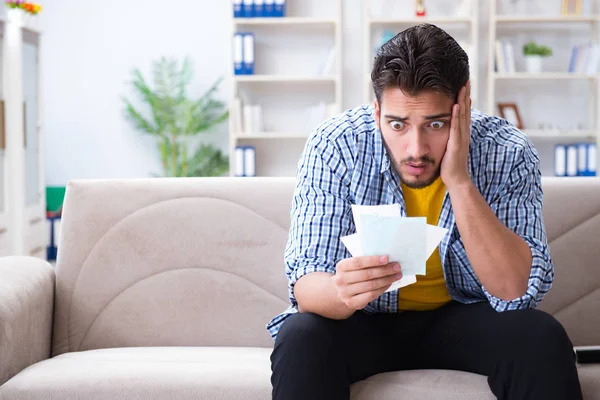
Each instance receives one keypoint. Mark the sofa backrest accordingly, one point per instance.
(199, 261)
(572, 217)
(171, 262)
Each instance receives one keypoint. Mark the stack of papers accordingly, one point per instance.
(409, 241)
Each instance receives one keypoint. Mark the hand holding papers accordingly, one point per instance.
(382, 231)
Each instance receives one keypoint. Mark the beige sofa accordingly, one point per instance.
(163, 289)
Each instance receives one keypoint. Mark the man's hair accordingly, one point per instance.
(423, 57)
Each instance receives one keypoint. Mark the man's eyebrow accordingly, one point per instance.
(438, 116)
(427, 117)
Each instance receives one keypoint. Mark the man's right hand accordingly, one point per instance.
(360, 280)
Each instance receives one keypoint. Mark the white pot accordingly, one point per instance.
(533, 64)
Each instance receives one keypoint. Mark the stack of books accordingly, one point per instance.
(585, 58)
(505, 57)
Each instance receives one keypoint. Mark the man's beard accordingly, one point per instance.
(419, 184)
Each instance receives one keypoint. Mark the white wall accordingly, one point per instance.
(89, 48)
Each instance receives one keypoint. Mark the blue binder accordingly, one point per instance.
(571, 160)
(248, 54)
(269, 8)
(259, 8)
(560, 160)
(592, 159)
(239, 161)
(245, 161)
(279, 8)
(582, 159)
(238, 10)
(238, 53)
(248, 8)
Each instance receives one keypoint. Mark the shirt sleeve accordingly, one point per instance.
(320, 212)
(518, 205)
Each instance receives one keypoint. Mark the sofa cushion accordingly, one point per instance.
(201, 373)
(221, 373)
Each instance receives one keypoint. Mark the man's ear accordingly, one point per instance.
(377, 113)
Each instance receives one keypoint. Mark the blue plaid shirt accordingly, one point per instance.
(345, 162)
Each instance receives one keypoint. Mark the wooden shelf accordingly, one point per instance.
(284, 21)
(422, 20)
(284, 78)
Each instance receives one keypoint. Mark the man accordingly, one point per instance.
(423, 147)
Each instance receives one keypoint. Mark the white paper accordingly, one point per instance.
(352, 243)
(392, 210)
(408, 241)
(402, 239)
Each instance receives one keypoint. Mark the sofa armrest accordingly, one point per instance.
(26, 310)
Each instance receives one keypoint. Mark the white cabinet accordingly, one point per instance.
(23, 227)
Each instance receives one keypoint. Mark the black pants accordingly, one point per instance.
(525, 354)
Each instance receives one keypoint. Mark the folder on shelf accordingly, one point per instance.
(249, 161)
(248, 8)
(560, 160)
(269, 8)
(259, 8)
(238, 10)
(253, 119)
(245, 161)
(571, 160)
(582, 159)
(279, 8)
(239, 161)
(587, 159)
(248, 54)
(592, 159)
(238, 53)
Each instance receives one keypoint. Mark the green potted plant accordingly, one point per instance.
(534, 55)
(176, 120)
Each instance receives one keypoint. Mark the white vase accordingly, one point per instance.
(533, 64)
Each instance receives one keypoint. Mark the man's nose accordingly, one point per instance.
(417, 145)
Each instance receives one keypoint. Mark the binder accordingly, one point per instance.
(560, 160)
(592, 159)
(249, 161)
(259, 8)
(248, 8)
(248, 54)
(582, 150)
(239, 161)
(279, 8)
(245, 161)
(238, 10)
(238, 53)
(571, 160)
(269, 8)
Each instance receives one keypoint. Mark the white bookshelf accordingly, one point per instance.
(532, 92)
(288, 80)
(23, 230)
(463, 26)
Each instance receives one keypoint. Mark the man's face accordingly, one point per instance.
(415, 131)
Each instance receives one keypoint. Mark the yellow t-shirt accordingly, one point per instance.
(430, 291)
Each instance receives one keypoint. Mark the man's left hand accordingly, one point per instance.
(454, 170)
